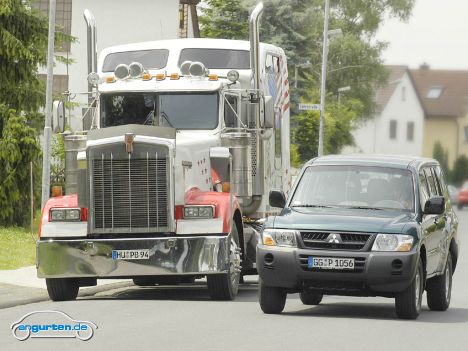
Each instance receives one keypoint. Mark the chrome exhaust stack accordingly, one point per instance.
(92, 46)
(254, 35)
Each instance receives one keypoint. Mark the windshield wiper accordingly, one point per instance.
(166, 117)
(316, 206)
(364, 208)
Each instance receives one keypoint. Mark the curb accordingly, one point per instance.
(43, 296)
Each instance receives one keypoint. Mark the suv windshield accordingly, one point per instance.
(355, 187)
(181, 111)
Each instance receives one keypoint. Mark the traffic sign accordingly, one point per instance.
(309, 107)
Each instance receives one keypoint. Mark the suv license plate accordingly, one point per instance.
(330, 263)
(130, 254)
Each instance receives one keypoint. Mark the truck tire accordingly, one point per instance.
(226, 286)
(62, 289)
(272, 299)
(408, 302)
(310, 298)
(439, 289)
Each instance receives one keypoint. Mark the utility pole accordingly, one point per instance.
(48, 109)
(324, 76)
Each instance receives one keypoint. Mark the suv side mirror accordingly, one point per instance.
(277, 199)
(435, 205)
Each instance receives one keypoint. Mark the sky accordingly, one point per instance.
(436, 33)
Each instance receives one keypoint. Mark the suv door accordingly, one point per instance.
(432, 225)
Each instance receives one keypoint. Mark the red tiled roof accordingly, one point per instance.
(383, 94)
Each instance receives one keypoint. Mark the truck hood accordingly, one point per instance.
(354, 220)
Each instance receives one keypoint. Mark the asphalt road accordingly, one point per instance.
(186, 319)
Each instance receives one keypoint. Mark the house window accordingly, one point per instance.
(410, 131)
(393, 129)
(465, 129)
(434, 93)
(403, 94)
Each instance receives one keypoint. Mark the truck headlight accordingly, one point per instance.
(279, 237)
(194, 212)
(393, 242)
(65, 215)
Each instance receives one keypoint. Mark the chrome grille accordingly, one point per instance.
(130, 194)
(348, 241)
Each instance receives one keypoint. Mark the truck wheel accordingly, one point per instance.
(62, 289)
(310, 299)
(272, 299)
(439, 289)
(225, 286)
(408, 302)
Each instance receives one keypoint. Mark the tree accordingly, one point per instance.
(297, 27)
(441, 155)
(460, 170)
(23, 47)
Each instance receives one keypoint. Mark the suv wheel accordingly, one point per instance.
(310, 298)
(439, 289)
(272, 299)
(62, 289)
(408, 302)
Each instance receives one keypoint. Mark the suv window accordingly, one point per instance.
(431, 182)
(441, 181)
(423, 187)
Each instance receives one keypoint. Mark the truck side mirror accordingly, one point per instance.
(58, 117)
(269, 113)
(277, 199)
(435, 205)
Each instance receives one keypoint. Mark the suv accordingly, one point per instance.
(361, 226)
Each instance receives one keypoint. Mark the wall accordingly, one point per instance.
(441, 129)
(374, 135)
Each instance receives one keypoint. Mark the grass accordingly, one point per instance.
(18, 248)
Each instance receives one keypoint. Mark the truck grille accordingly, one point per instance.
(335, 241)
(130, 194)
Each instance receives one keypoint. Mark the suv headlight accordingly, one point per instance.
(393, 242)
(280, 237)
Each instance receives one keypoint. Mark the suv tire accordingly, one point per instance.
(272, 299)
(408, 302)
(310, 298)
(439, 289)
(62, 289)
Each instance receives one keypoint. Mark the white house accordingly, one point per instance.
(398, 125)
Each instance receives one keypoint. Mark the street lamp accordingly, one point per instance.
(326, 36)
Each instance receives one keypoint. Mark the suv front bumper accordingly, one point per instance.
(375, 273)
(81, 258)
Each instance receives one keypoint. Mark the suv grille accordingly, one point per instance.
(335, 241)
(130, 194)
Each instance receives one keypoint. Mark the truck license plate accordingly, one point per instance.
(330, 263)
(130, 254)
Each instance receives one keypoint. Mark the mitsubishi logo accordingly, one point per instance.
(334, 239)
(128, 139)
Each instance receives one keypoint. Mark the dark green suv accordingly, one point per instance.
(361, 226)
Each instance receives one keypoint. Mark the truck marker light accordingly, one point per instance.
(160, 76)
(146, 76)
(175, 76)
(110, 79)
(213, 77)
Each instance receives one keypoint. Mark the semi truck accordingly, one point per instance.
(171, 181)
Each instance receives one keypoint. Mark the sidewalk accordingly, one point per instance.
(21, 286)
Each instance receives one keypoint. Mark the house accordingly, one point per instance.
(398, 124)
(444, 96)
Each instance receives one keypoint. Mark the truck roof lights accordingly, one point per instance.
(110, 79)
(175, 76)
(136, 70)
(146, 76)
(185, 68)
(122, 71)
(233, 76)
(213, 77)
(160, 76)
(197, 69)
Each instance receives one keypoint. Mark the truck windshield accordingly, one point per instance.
(180, 111)
(359, 187)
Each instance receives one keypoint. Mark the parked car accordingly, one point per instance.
(361, 226)
(453, 194)
(463, 196)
